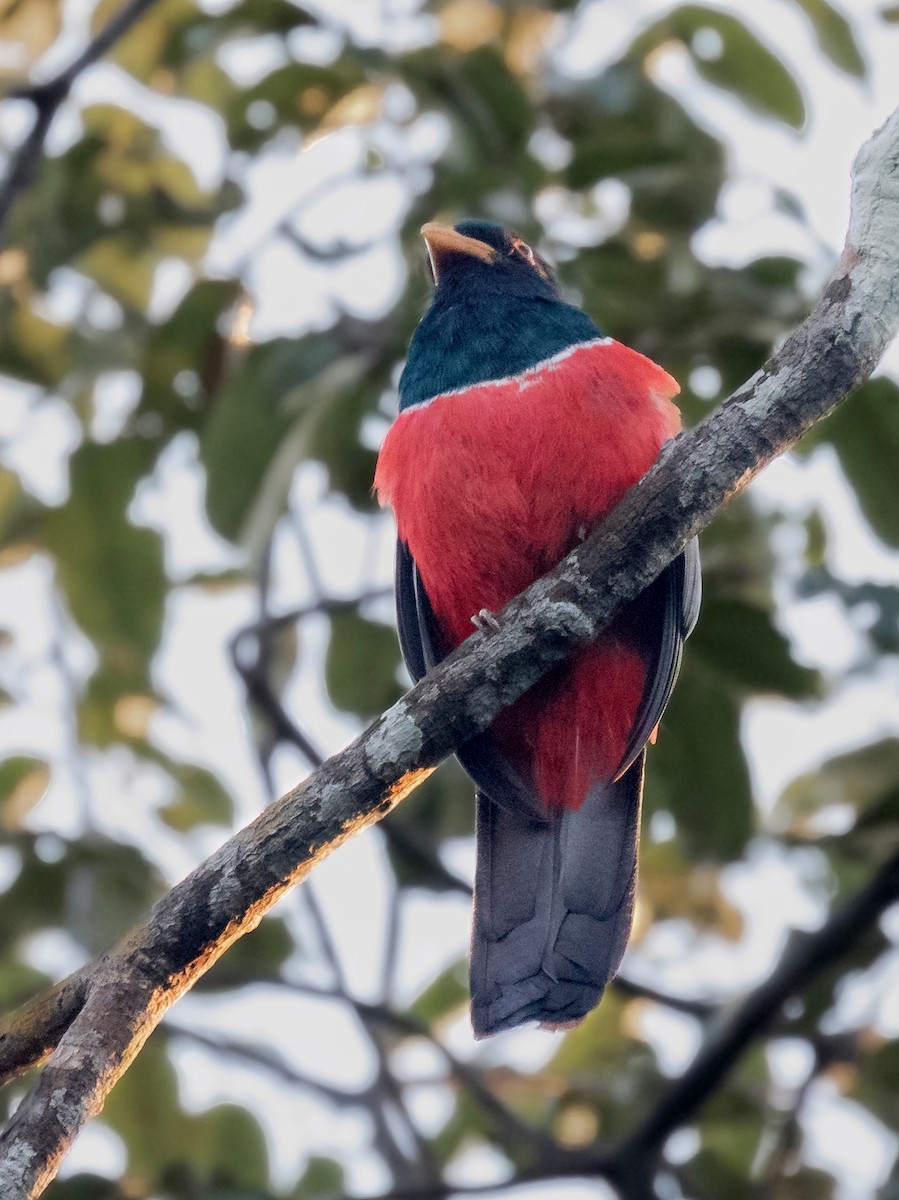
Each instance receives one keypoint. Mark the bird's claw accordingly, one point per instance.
(485, 621)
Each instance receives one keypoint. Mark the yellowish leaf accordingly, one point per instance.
(467, 24)
(528, 39)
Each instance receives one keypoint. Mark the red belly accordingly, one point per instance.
(491, 488)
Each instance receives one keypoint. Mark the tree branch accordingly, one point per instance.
(632, 1162)
(47, 97)
(226, 896)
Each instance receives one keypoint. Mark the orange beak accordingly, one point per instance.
(442, 241)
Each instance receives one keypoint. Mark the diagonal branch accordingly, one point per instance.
(47, 98)
(189, 929)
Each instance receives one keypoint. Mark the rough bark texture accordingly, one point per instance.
(100, 1018)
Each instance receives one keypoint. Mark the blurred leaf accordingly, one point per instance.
(23, 780)
(335, 440)
(672, 887)
(227, 1146)
(109, 888)
(622, 126)
(740, 642)
(698, 770)
(865, 434)
(890, 14)
(866, 780)
(256, 958)
(442, 807)
(223, 1145)
(297, 94)
(604, 1061)
(807, 1183)
(322, 1177)
(189, 345)
(725, 52)
(203, 799)
(36, 896)
(27, 29)
(111, 572)
(19, 982)
(877, 1084)
(124, 273)
(84, 1187)
(361, 664)
(143, 1109)
(263, 397)
(444, 995)
(31, 347)
(835, 36)
(138, 52)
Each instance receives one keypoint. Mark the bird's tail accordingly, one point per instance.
(553, 906)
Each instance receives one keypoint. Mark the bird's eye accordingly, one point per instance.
(523, 249)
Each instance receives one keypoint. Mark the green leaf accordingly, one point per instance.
(835, 36)
(877, 1084)
(109, 888)
(334, 440)
(866, 780)
(253, 412)
(445, 995)
(111, 571)
(361, 664)
(36, 897)
(322, 1177)
(697, 768)
(227, 1145)
(865, 434)
(189, 341)
(252, 959)
(23, 780)
(202, 799)
(299, 94)
(741, 63)
(143, 1109)
(85, 1187)
(739, 642)
(623, 126)
(441, 807)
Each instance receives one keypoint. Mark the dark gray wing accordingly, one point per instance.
(423, 646)
(554, 894)
(668, 610)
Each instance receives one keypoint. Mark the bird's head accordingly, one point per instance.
(482, 257)
(496, 312)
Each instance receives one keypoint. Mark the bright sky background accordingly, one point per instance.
(203, 718)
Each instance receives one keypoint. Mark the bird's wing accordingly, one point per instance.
(554, 893)
(423, 646)
(668, 611)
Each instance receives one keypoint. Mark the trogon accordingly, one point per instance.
(520, 427)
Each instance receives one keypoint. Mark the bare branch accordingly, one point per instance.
(226, 896)
(805, 958)
(631, 1163)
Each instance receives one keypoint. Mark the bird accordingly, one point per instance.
(520, 426)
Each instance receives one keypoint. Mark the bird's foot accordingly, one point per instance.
(485, 621)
